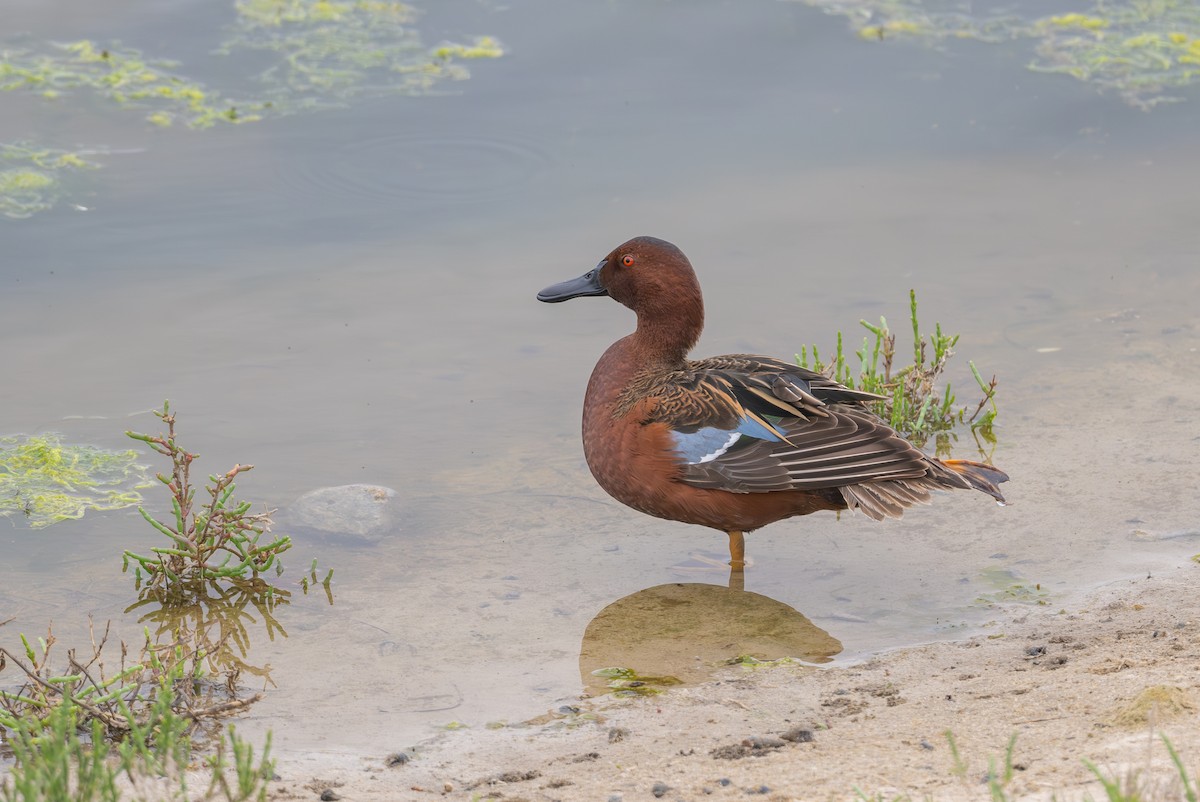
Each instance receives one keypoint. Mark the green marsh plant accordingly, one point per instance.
(120, 697)
(1133, 787)
(311, 580)
(914, 404)
(88, 730)
(1132, 790)
(217, 538)
(59, 758)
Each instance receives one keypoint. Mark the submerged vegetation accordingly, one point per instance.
(320, 53)
(31, 178)
(1140, 50)
(314, 54)
(47, 480)
(1143, 51)
(327, 52)
(628, 682)
(1006, 586)
(121, 75)
(914, 405)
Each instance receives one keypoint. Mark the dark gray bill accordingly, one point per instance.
(587, 284)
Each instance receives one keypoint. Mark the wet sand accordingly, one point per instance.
(1100, 679)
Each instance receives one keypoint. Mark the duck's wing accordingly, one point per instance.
(749, 424)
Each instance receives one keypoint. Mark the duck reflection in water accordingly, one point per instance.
(683, 632)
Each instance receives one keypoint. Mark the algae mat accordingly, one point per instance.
(47, 480)
(1146, 51)
(315, 54)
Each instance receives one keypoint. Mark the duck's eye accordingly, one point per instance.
(627, 260)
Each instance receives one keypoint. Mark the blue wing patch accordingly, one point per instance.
(708, 443)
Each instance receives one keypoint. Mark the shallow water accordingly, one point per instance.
(347, 296)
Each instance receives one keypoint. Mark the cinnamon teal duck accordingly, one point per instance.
(739, 441)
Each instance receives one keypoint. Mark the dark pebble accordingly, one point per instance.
(762, 789)
(660, 789)
(328, 795)
(724, 782)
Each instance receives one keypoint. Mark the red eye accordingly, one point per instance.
(627, 260)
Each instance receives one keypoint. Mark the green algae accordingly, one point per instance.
(483, 47)
(49, 481)
(749, 661)
(317, 54)
(325, 52)
(24, 193)
(627, 682)
(122, 75)
(32, 179)
(24, 180)
(1142, 50)
(1008, 588)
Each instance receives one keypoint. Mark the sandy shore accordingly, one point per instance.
(1098, 680)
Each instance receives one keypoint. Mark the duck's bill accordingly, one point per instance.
(587, 284)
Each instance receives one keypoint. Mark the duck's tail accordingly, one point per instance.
(888, 498)
(979, 476)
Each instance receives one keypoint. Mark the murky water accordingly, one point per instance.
(347, 296)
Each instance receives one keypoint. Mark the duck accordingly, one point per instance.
(739, 441)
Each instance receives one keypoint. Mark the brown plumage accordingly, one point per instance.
(733, 442)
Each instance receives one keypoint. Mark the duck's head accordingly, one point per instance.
(649, 275)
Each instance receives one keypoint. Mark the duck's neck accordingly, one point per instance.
(663, 340)
(658, 345)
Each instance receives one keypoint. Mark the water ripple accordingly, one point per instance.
(420, 171)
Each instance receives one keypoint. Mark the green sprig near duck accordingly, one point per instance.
(733, 442)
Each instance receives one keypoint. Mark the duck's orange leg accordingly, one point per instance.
(737, 550)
